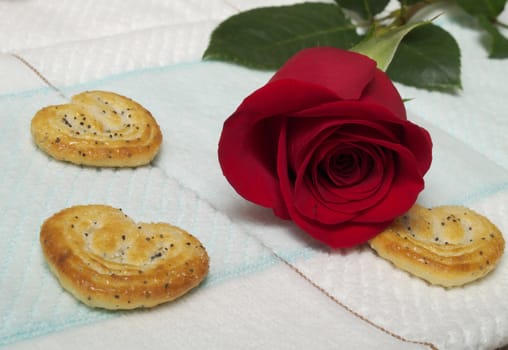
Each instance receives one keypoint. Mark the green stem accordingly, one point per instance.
(393, 14)
(407, 12)
(501, 24)
(401, 16)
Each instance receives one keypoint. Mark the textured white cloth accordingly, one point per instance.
(270, 285)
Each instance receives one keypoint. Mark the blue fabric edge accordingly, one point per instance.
(38, 329)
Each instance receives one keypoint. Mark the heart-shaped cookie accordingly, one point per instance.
(98, 128)
(445, 245)
(106, 260)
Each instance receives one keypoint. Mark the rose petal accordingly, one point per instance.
(419, 143)
(351, 76)
(381, 91)
(416, 138)
(346, 73)
(320, 200)
(359, 187)
(248, 144)
(344, 166)
(407, 184)
(351, 110)
(286, 185)
(330, 141)
(283, 98)
(306, 134)
(346, 235)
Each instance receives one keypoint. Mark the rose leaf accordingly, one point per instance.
(365, 8)
(498, 44)
(265, 38)
(409, 2)
(488, 8)
(428, 57)
(381, 46)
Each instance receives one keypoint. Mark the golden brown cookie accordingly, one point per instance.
(446, 245)
(106, 260)
(98, 128)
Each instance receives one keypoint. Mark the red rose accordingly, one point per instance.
(326, 143)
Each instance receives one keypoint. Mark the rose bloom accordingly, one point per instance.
(327, 144)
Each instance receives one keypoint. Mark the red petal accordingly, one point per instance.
(346, 235)
(381, 91)
(350, 234)
(419, 142)
(407, 184)
(414, 137)
(317, 198)
(248, 144)
(346, 73)
(343, 235)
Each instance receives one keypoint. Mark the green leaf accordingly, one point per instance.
(265, 38)
(381, 47)
(365, 8)
(409, 2)
(498, 44)
(487, 8)
(427, 58)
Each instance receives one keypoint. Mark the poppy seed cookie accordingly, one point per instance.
(98, 128)
(106, 260)
(446, 245)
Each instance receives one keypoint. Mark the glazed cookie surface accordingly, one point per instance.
(107, 260)
(446, 245)
(98, 128)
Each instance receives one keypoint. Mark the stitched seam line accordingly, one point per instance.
(39, 74)
(339, 303)
(356, 314)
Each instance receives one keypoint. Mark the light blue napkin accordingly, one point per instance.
(33, 186)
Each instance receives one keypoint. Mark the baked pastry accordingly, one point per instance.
(446, 245)
(106, 260)
(98, 128)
